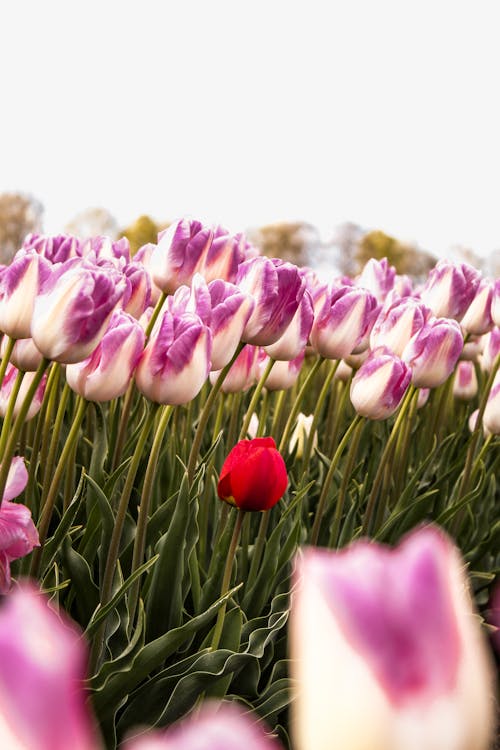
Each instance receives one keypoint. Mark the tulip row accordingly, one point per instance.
(125, 383)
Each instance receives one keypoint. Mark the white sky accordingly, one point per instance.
(381, 112)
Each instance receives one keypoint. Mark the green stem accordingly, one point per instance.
(346, 476)
(205, 414)
(259, 545)
(18, 425)
(317, 413)
(10, 411)
(255, 398)
(142, 518)
(261, 429)
(48, 506)
(48, 466)
(124, 426)
(318, 517)
(4, 363)
(297, 404)
(278, 412)
(155, 314)
(367, 521)
(226, 580)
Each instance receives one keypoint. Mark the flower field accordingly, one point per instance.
(242, 507)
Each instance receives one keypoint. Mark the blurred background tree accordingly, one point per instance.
(20, 214)
(141, 231)
(406, 258)
(292, 241)
(92, 222)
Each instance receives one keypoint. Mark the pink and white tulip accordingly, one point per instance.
(11, 374)
(176, 361)
(284, 373)
(491, 348)
(224, 255)
(433, 352)
(397, 323)
(378, 387)
(20, 282)
(244, 371)
(137, 297)
(107, 372)
(477, 319)
(104, 248)
(25, 356)
(73, 309)
(495, 303)
(55, 248)
(179, 254)
(230, 310)
(386, 650)
(491, 417)
(293, 342)
(378, 277)
(343, 324)
(43, 705)
(450, 289)
(465, 382)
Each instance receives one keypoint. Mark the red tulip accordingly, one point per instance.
(253, 476)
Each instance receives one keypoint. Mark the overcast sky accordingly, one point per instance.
(382, 112)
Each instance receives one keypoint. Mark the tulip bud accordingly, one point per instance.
(231, 309)
(491, 417)
(378, 277)
(465, 382)
(244, 371)
(386, 650)
(42, 700)
(450, 289)
(18, 534)
(176, 360)
(293, 342)
(19, 284)
(397, 323)
(477, 319)
(277, 288)
(5, 392)
(56, 249)
(379, 385)
(253, 476)
(284, 374)
(73, 309)
(180, 252)
(300, 435)
(343, 325)
(25, 356)
(491, 348)
(223, 727)
(107, 372)
(433, 352)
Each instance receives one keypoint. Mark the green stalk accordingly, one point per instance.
(316, 415)
(18, 425)
(255, 398)
(142, 518)
(261, 429)
(227, 580)
(155, 314)
(367, 521)
(349, 465)
(206, 498)
(320, 509)
(48, 466)
(297, 404)
(205, 414)
(4, 363)
(10, 410)
(278, 412)
(123, 426)
(47, 507)
(259, 545)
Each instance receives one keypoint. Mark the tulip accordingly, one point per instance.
(143, 256)
(293, 342)
(25, 356)
(472, 348)
(397, 323)
(231, 309)
(277, 288)
(450, 289)
(176, 360)
(244, 371)
(107, 372)
(116, 251)
(343, 324)
(284, 374)
(495, 303)
(253, 476)
(379, 385)
(477, 319)
(344, 372)
(387, 653)
(56, 249)
(378, 277)
(138, 295)
(191, 299)
(223, 727)
(42, 656)
(73, 309)
(465, 382)
(223, 256)
(11, 374)
(403, 285)
(300, 435)
(18, 534)
(491, 348)
(180, 253)
(491, 417)
(19, 284)
(433, 352)
(423, 397)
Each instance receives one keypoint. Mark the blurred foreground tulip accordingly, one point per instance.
(108, 371)
(6, 391)
(42, 669)
(223, 727)
(387, 653)
(450, 289)
(176, 360)
(253, 476)
(379, 385)
(73, 308)
(343, 324)
(433, 352)
(18, 534)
